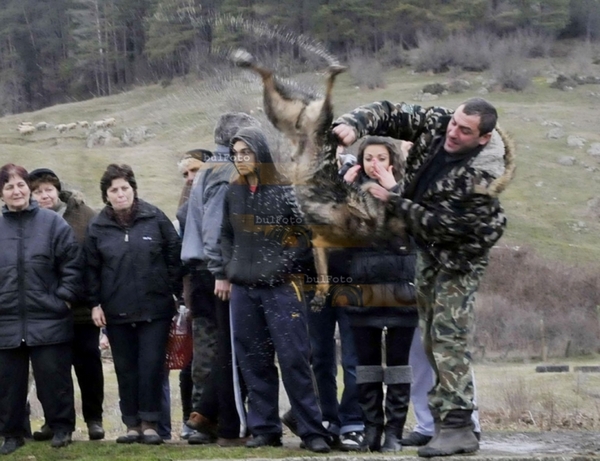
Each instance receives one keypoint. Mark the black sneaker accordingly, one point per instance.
(264, 440)
(353, 441)
(317, 444)
(61, 439)
(290, 422)
(11, 444)
(45, 433)
(201, 438)
(415, 439)
(95, 430)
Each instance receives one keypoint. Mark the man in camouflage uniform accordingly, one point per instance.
(448, 199)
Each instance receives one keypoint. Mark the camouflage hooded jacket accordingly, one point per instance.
(459, 217)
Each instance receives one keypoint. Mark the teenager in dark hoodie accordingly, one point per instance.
(264, 246)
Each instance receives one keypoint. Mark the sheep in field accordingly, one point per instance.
(26, 129)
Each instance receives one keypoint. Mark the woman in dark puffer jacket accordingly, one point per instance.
(380, 294)
(47, 190)
(133, 273)
(39, 278)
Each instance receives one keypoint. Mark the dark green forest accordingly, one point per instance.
(56, 51)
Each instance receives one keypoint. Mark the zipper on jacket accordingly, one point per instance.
(127, 235)
(21, 276)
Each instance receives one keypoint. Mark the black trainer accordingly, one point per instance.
(415, 439)
(11, 444)
(353, 441)
(201, 438)
(317, 444)
(290, 422)
(61, 439)
(264, 440)
(45, 433)
(95, 430)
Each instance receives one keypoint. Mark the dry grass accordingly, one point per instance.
(511, 397)
(515, 397)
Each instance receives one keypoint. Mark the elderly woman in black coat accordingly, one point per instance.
(133, 273)
(39, 278)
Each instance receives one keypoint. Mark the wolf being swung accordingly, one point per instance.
(338, 214)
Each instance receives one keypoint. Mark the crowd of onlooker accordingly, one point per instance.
(68, 272)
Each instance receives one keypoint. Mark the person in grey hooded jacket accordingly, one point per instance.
(217, 394)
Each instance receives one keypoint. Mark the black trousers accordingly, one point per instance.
(397, 345)
(52, 372)
(139, 351)
(222, 398)
(87, 363)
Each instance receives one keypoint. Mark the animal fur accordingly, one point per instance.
(339, 215)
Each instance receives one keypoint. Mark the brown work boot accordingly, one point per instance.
(201, 423)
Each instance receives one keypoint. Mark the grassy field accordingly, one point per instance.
(511, 397)
(547, 204)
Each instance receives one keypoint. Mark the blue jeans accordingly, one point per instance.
(344, 416)
(163, 427)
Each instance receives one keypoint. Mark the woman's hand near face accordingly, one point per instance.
(352, 174)
(385, 176)
(98, 317)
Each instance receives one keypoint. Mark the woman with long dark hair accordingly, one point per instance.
(381, 302)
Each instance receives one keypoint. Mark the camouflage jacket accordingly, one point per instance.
(459, 217)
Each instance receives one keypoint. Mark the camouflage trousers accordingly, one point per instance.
(205, 347)
(445, 300)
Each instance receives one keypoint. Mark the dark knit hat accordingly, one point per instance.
(229, 124)
(44, 175)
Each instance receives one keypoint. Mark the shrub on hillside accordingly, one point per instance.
(508, 68)
(521, 289)
(366, 72)
(477, 51)
(470, 52)
(434, 88)
(392, 56)
(458, 86)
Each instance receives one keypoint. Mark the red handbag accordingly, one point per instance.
(180, 345)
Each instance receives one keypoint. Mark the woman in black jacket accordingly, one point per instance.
(132, 274)
(47, 190)
(39, 278)
(380, 296)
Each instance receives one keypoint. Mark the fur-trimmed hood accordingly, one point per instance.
(497, 158)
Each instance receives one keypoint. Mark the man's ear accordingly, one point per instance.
(483, 140)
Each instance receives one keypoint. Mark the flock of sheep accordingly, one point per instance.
(27, 128)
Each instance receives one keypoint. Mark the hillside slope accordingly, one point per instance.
(547, 204)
